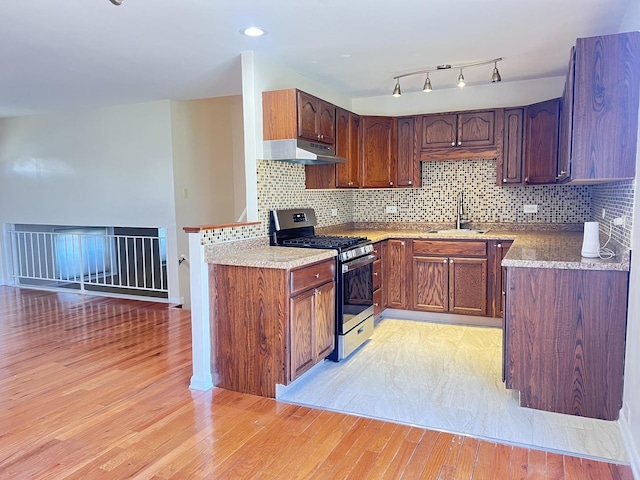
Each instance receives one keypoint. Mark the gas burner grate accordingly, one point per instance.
(328, 241)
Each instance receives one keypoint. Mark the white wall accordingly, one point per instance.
(109, 166)
(208, 168)
(631, 419)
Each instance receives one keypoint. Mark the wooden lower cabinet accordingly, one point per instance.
(396, 275)
(312, 327)
(499, 274)
(446, 283)
(272, 324)
(565, 339)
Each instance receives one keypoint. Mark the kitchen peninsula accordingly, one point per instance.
(556, 326)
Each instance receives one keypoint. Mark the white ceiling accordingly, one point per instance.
(58, 54)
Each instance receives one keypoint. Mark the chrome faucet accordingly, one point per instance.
(460, 213)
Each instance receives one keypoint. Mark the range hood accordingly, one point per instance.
(300, 151)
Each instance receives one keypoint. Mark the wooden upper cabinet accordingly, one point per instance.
(541, 142)
(378, 151)
(348, 147)
(461, 135)
(563, 170)
(439, 131)
(288, 114)
(407, 168)
(606, 94)
(509, 164)
(316, 119)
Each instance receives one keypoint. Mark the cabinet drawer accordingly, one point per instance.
(377, 250)
(377, 302)
(377, 274)
(439, 247)
(312, 276)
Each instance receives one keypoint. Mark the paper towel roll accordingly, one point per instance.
(591, 240)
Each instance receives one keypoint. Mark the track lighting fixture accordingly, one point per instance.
(427, 84)
(496, 74)
(495, 77)
(396, 90)
(461, 80)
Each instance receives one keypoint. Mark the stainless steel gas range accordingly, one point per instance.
(354, 282)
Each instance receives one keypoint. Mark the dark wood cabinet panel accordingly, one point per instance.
(439, 131)
(407, 167)
(541, 142)
(396, 273)
(312, 276)
(261, 363)
(509, 164)
(316, 119)
(377, 302)
(563, 170)
(501, 249)
(565, 339)
(468, 286)
(431, 284)
(476, 129)
(302, 348)
(606, 95)
(449, 248)
(378, 151)
(325, 320)
(461, 135)
(348, 147)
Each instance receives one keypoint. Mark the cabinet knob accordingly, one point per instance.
(445, 260)
(526, 179)
(504, 180)
(499, 245)
(376, 305)
(391, 184)
(317, 275)
(453, 144)
(402, 243)
(459, 143)
(375, 274)
(410, 182)
(350, 183)
(561, 174)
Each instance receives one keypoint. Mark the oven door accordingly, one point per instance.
(357, 292)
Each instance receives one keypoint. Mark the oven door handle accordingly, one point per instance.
(360, 262)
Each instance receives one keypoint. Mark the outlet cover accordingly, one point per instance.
(392, 209)
(530, 209)
(334, 212)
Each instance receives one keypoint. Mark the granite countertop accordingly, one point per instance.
(533, 249)
(270, 257)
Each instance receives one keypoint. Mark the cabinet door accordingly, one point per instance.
(325, 320)
(378, 151)
(605, 117)
(476, 129)
(541, 142)
(348, 147)
(408, 172)
(439, 131)
(468, 286)
(431, 284)
(302, 342)
(502, 247)
(326, 125)
(396, 272)
(307, 116)
(566, 124)
(510, 164)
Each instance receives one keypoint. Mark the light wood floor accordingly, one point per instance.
(96, 388)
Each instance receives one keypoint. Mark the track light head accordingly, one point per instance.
(496, 74)
(396, 90)
(427, 85)
(461, 83)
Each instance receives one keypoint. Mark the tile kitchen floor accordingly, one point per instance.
(446, 377)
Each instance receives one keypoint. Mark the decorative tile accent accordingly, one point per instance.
(617, 200)
(484, 201)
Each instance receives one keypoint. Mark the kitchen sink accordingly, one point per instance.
(458, 231)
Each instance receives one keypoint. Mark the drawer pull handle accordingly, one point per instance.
(375, 274)
(317, 275)
(376, 304)
(360, 330)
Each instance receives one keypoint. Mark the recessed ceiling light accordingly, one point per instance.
(253, 32)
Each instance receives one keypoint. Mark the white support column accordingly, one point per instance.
(200, 321)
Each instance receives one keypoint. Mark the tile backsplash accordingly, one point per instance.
(484, 201)
(282, 185)
(617, 201)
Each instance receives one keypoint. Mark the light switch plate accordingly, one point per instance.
(392, 209)
(531, 209)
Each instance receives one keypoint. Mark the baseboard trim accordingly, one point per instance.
(449, 318)
(632, 451)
